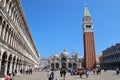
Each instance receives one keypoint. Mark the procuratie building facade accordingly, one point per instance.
(17, 49)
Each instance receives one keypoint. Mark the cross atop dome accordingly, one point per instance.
(64, 50)
(64, 53)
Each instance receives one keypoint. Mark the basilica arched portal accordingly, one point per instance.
(70, 65)
(74, 65)
(63, 64)
(57, 65)
(52, 66)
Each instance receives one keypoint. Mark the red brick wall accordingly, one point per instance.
(89, 50)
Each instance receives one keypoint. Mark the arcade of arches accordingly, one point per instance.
(10, 62)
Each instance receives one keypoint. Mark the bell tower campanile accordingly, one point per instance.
(88, 38)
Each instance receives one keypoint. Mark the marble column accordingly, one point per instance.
(14, 66)
(9, 37)
(54, 66)
(0, 28)
(10, 10)
(22, 66)
(8, 6)
(17, 68)
(6, 36)
(10, 69)
(4, 3)
(3, 32)
(6, 66)
(60, 64)
(0, 64)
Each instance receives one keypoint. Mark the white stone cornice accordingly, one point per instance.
(88, 30)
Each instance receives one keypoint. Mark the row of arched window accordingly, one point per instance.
(113, 50)
(113, 58)
(69, 65)
(8, 35)
(13, 12)
(12, 62)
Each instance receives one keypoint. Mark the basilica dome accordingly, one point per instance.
(64, 53)
(56, 55)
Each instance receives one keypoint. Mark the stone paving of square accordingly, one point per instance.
(108, 75)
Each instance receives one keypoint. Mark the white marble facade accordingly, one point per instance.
(17, 49)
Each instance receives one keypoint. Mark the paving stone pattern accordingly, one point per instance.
(108, 75)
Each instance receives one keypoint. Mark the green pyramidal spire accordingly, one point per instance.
(86, 12)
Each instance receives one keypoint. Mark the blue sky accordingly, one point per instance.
(57, 24)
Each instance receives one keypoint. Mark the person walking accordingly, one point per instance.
(94, 70)
(86, 73)
(52, 75)
(105, 69)
(64, 73)
(61, 72)
(117, 70)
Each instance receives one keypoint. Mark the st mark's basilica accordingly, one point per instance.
(64, 60)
